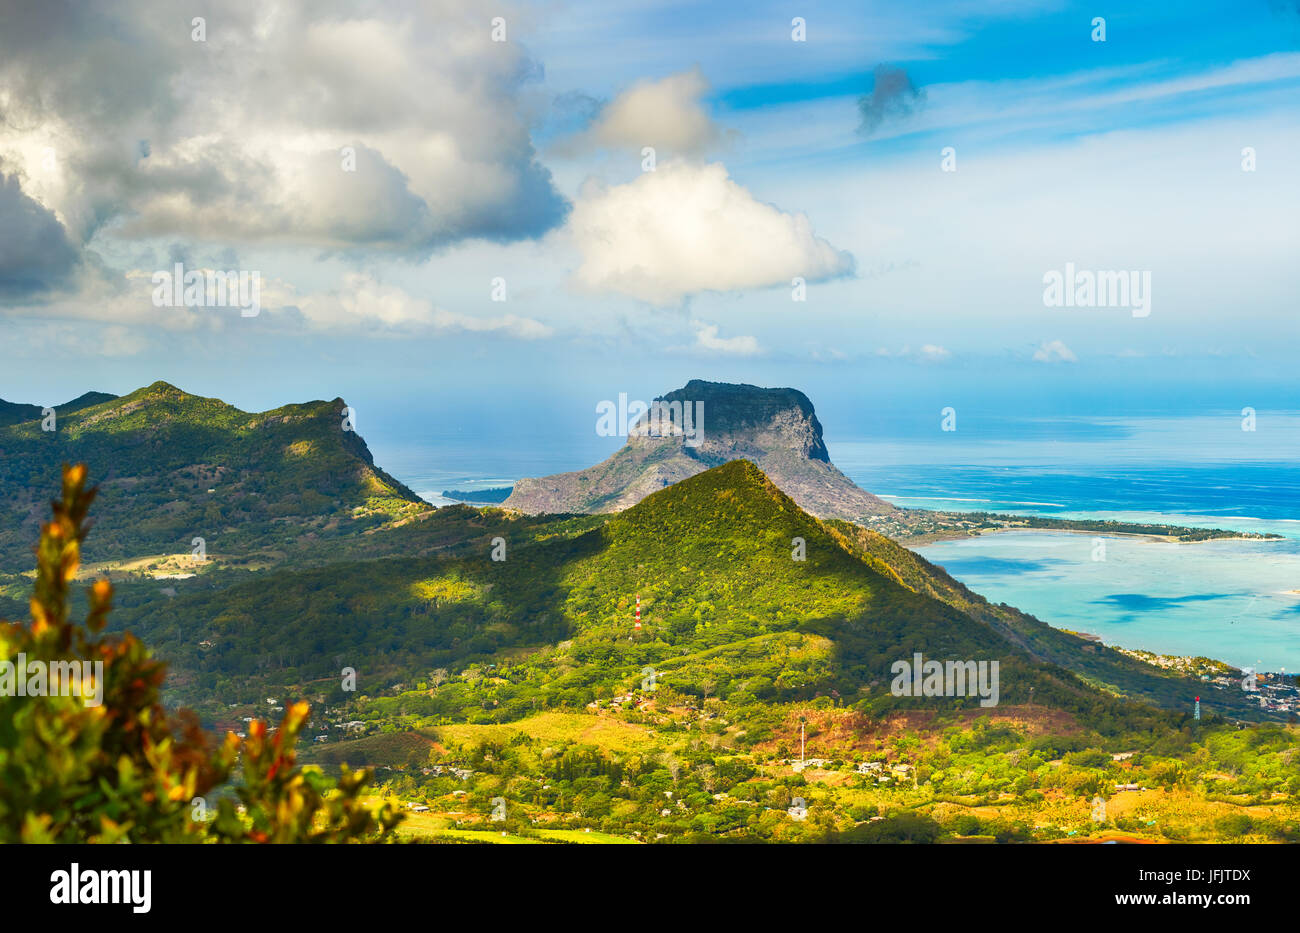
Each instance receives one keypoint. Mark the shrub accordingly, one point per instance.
(904, 828)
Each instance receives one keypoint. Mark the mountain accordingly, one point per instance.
(777, 429)
(727, 613)
(173, 466)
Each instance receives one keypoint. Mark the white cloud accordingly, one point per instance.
(1054, 351)
(665, 114)
(706, 338)
(689, 228)
(363, 302)
(935, 353)
(145, 133)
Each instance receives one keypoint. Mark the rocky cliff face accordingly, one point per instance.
(700, 426)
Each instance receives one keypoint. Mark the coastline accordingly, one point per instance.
(1235, 604)
(956, 534)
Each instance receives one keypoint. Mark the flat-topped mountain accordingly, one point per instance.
(173, 466)
(700, 426)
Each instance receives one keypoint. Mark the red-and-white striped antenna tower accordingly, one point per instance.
(638, 613)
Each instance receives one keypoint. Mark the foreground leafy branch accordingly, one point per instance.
(107, 763)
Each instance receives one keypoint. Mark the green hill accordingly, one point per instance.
(173, 466)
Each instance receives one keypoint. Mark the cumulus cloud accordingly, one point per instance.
(363, 302)
(688, 228)
(706, 338)
(892, 95)
(666, 114)
(242, 136)
(1054, 351)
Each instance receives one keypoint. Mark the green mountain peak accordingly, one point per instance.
(184, 466)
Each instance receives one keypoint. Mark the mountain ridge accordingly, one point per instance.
(184, 466)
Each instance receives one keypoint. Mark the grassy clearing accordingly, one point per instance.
(604, 732)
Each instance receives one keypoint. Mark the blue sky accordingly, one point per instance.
(127, 145)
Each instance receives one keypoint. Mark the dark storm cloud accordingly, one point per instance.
(892, 96)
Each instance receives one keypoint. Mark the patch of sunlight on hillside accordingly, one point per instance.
(445, 591)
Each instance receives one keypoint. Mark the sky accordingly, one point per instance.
(495, 216)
